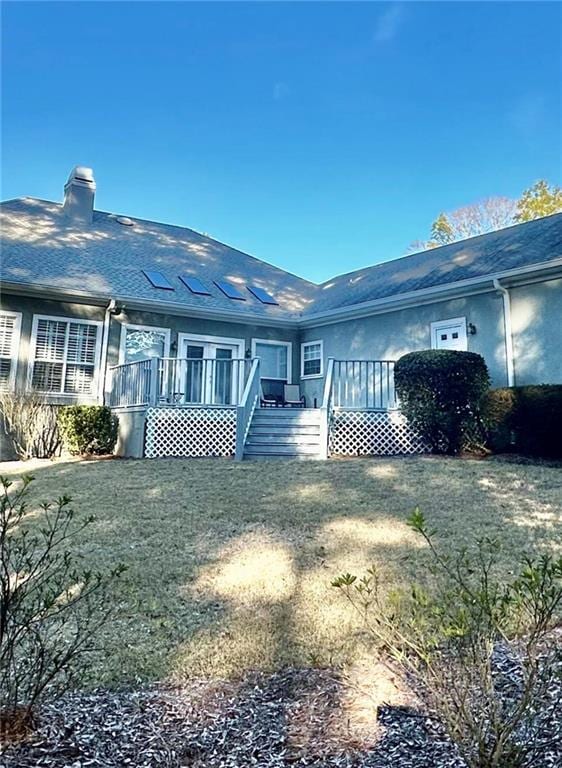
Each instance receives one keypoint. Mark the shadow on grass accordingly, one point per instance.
(229, 565)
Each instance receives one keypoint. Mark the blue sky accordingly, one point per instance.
(320, 137)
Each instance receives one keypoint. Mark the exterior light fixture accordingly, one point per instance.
(471, 329)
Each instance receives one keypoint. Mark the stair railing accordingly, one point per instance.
(325, 410)
(245, 410)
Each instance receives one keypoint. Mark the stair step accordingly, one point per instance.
(286, 413)
(280, 450)
(292, 421)
(282, 440)
(300, 429)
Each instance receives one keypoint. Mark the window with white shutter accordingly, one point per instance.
(65, 355)
(10, 327)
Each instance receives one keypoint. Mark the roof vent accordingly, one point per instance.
(79, 193)
(125, 221)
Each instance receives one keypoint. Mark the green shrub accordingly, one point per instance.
(526, 419)
(51, 606)
(440, 391)
(478, 648)
(88, 429)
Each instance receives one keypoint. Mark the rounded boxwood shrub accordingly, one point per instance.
(440, 392)
(88, 429)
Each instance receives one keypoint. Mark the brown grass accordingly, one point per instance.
(229, 565)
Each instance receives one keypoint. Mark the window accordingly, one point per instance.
(195, 285)
(10, 327)
(449, 334)
(311, 359)
(229, 290)
(275, 358)
(263, 296)
(157, 279)
(64, 355)
(141, 341)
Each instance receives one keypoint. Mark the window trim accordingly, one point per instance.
(136, 327)
(94, 395)
(439, 325)
(277, 343)
(312, 375)
(15, 348)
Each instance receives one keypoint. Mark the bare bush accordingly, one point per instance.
(50, 607)
(479, 651)
(30, 424)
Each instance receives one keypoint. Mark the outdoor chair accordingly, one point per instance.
(271, 393)
(292, 396)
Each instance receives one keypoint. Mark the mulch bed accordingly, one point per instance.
(298, 717)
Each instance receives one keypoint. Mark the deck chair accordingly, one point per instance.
(292, 396)
(271, 393)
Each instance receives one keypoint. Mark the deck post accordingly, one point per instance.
(154, 368)
(325, 410)
(245, 409)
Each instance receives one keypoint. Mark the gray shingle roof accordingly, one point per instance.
(518, 246)
(106, 259)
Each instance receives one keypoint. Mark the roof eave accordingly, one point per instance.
(148, 305)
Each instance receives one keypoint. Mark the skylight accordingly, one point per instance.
(195, 285)
(157, 279)
(263, 296)
(229, 290)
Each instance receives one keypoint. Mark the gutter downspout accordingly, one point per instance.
(507, 331)
(109, 310)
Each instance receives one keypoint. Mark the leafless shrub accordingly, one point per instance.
(30, 424)
(50, 607)
(480, 651)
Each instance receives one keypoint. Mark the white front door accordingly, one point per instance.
(449, 334)
(208, 372)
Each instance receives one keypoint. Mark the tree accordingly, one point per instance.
(539, 200)
(469, 221)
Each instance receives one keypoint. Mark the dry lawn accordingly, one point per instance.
(229, 565)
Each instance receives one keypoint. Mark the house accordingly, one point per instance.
(183, 335)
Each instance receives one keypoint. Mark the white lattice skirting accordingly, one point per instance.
(190, 432)
(372, 433)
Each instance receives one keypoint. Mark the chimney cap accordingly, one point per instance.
(82, 175)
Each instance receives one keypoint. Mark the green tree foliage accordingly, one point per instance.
(442, 230)
(539, 200)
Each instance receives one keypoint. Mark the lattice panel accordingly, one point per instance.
(190, 432)
(361, 433)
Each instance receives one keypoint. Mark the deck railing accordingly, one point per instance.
(179, 381)
(364, 385)
(246, 407)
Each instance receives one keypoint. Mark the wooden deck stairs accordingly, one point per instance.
(289, 432)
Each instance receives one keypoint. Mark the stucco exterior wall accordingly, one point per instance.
(389, 336)
(178, 324)
(536, 317)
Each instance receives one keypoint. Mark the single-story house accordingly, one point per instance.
(192, 341)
